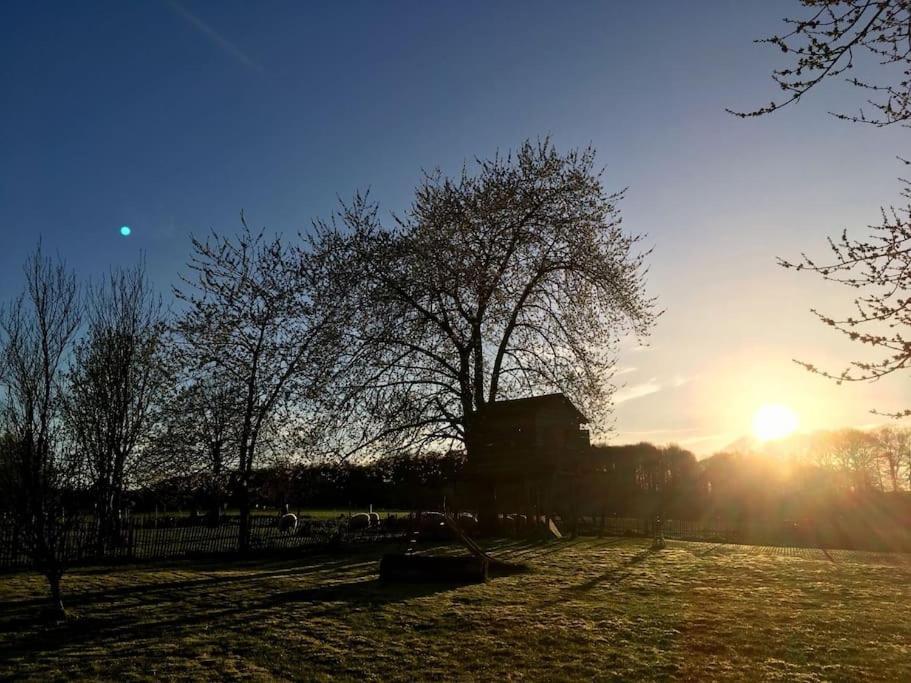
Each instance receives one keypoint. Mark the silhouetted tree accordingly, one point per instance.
(853, 454)
(642, 480)
(906, 462)
(878, 266)
(199, 434)
(840, 38)
(40, 469)
(117, 382)
(253, 314)
(509, 280)
(894, 453)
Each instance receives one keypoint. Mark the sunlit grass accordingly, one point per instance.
(588, 609)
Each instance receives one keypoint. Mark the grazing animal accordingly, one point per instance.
(374, 519)
(467, 522)
(359, 522)
(287, 522)
(431, 521)
(432, 526)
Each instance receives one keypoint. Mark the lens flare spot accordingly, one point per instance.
(125, 230)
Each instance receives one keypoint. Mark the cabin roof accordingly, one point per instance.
(533, 404)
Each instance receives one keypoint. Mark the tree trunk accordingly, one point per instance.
(115, 530)
(243, 537)
(104, 512)
(56, 607)
(215, 487)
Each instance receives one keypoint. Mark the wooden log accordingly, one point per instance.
(400, 567)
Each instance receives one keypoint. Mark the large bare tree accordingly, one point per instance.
(41, 470)
(253, 314)
(118, 381)
(511, 279)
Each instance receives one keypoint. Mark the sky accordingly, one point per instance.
(172, 117)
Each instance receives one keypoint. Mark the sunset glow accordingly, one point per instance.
(470, 340)
(774, 421)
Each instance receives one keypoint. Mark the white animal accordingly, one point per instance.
(287, 522)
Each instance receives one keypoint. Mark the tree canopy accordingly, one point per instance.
(513, 278)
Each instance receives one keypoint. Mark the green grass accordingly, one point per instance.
(598, 609)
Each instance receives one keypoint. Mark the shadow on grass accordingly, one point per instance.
(373, 592)
(217, 600)
(617, 574)
(537, 549)
(259, 571)
(144, 613)
(712, 550)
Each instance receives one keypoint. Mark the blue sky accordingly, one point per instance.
(172, 117)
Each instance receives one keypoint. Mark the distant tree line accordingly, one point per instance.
(802, 478)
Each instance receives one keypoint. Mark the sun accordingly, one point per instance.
(774, 421)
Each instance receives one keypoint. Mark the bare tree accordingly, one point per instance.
(200, 434)
(41, 470)
(878, 267)
(835, 38)
(852, 453)
(905, 461)
(253, 314)
(838, 38)
(117, 381)
(894, 451)
(511, 279)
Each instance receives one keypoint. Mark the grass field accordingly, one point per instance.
(589, 608)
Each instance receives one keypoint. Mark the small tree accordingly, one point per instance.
(853, 454)
(894, 451)
(254, 315)
(117, 383)
(41, 470)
